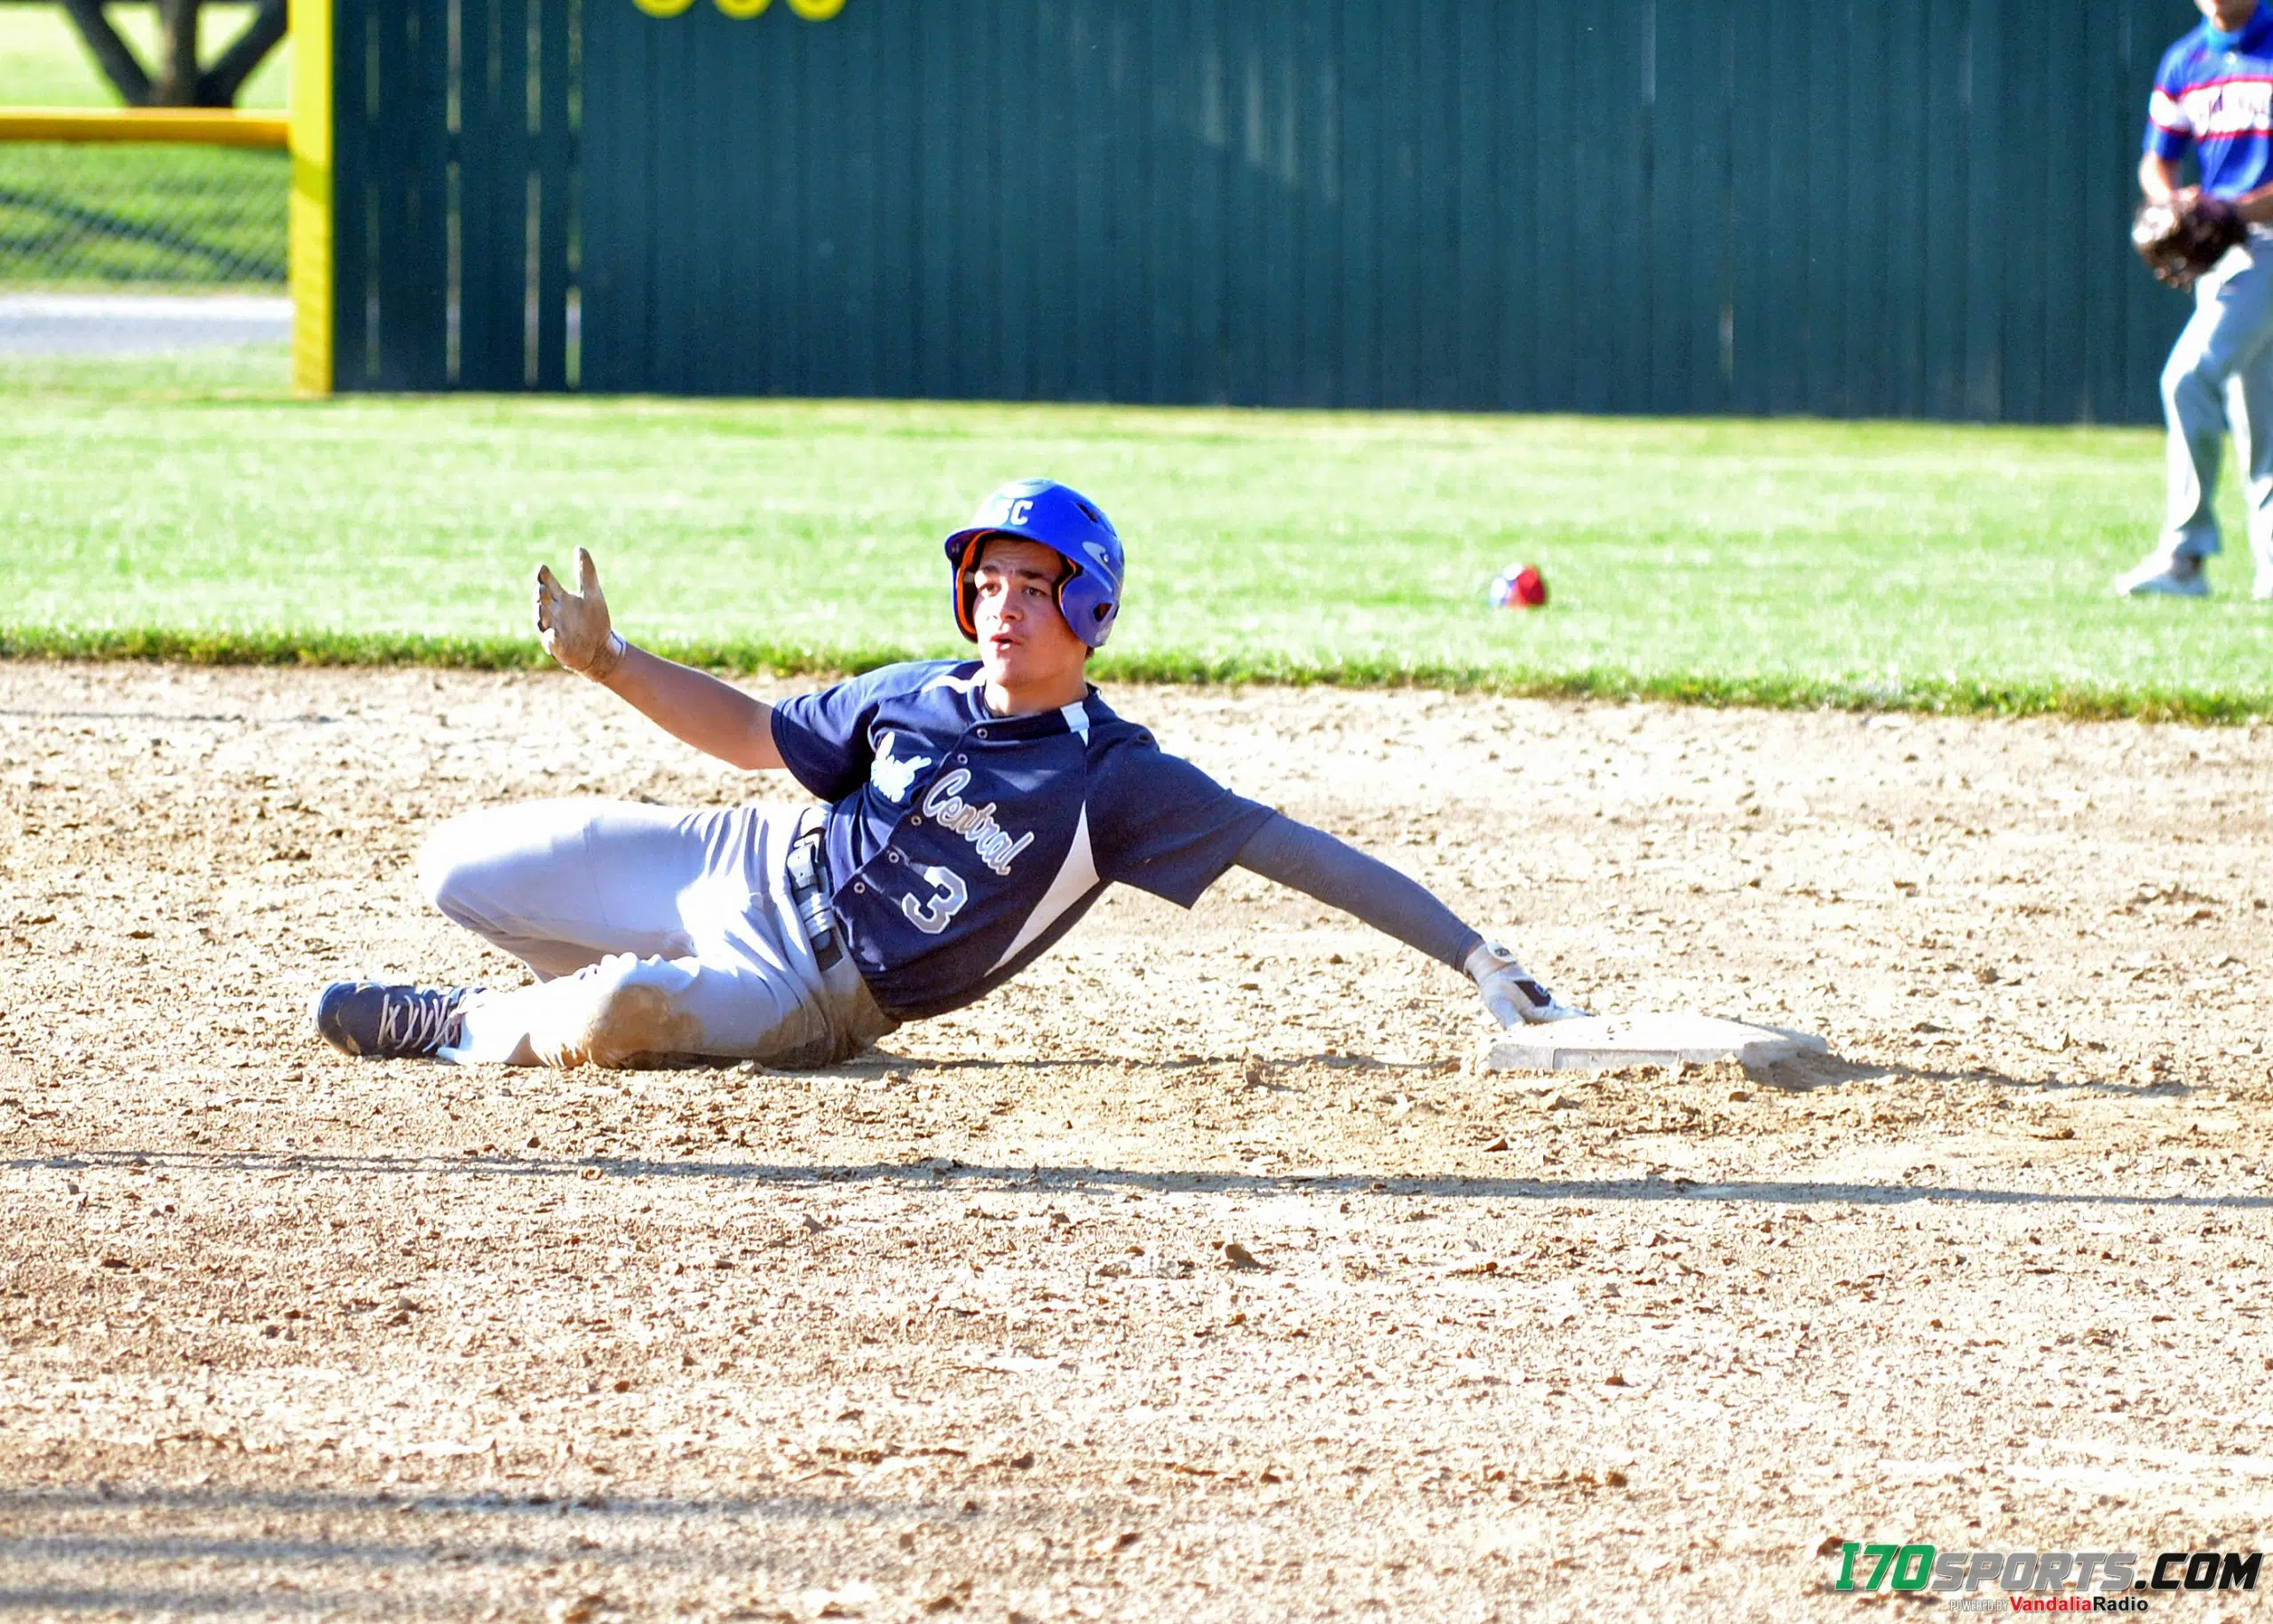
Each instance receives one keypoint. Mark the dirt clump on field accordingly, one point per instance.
(1198, 1274)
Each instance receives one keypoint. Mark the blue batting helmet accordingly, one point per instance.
(1068, 523)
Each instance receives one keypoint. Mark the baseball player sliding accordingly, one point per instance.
(2214, 98)
(975, 810)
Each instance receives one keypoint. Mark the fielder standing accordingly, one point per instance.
(2213, 98)
(973, 812)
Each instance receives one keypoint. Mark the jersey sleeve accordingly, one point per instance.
(2170, 133)
(823, 736)
(1339, 876)
(1165, 826)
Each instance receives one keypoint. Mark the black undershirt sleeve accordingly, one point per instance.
(1318, 864)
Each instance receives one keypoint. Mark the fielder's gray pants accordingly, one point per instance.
(657, 936)
(2220, 376)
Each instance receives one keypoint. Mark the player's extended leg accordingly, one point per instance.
(562, 885)
(657, 935)
(2233, 311)
(628, 1010)
(2249, 397)
(2194, 413)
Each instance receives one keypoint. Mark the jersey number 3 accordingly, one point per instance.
(945, 901)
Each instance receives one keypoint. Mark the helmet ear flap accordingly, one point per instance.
(1069, 571)
(966, 611)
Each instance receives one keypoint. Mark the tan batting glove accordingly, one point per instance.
(573, 626)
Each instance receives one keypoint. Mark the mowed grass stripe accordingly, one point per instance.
(174, 646)
(170, 511)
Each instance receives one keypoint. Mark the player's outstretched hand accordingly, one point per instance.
(1510, 992)
(573, 626)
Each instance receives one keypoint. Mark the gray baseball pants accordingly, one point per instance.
(2220, 376)
(658, 937)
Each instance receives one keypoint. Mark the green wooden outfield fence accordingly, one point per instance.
(1905, 208)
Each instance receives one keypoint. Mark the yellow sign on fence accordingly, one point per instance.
(812, 11)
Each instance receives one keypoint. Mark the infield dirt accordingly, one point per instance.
(956, 1331)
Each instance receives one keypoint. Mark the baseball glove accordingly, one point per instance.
(2179, 241)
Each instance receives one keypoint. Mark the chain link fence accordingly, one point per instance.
(109, 216)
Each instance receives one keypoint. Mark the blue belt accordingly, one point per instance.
(808, 869)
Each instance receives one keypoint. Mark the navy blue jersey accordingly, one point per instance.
(962, 844)
(2218, 102)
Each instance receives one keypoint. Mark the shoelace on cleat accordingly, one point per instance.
(418, 1022)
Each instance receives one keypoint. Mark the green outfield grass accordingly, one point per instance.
(187, 508)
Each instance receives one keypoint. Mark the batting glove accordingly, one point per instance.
(1509, 991)
(573, 626)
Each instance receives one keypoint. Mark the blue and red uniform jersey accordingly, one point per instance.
(963, 844)
(2213, 96)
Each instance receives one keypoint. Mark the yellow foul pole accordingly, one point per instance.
(311, 219)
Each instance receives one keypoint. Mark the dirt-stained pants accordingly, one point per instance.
(657, 935)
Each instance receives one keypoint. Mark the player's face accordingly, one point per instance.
(1023, 638)
(2228, 15)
